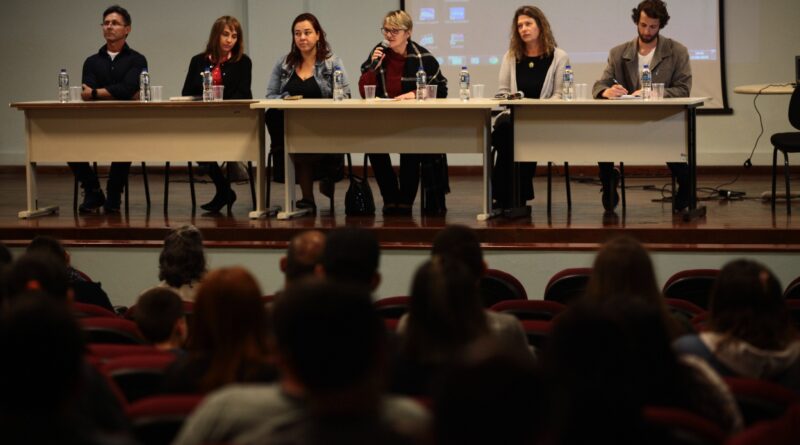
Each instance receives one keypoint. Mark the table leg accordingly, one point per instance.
(289, 198)
(488, 211)
(261, 211)
(691, 150)
(32, 197)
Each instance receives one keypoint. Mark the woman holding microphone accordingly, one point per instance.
(306, 71)
(535, 66)
(392, 66)
(229, 65)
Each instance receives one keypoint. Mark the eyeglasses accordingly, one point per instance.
(113, 23)
(391, 31)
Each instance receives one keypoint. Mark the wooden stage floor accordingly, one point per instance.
(743, 224)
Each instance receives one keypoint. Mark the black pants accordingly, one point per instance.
(503, 173)
(117, 176)
(393, 191)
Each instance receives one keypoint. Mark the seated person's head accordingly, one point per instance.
(460, 242)
(229, 326)
(48, 244)
(5, 255)
(44, 348)
(445, 314)
(159, 316)
(352, 255)
(303, 255)
(622, 268)
(329, 337)
(498, 399)
(182, 258)
(39, 271)
(602, 364)
(747, 303)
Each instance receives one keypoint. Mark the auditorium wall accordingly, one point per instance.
(41, 37)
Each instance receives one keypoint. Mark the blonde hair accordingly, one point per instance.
(399, 19)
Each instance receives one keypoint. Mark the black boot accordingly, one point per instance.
(224, 197)
(113, 203)
(609, 177)
(93, 199)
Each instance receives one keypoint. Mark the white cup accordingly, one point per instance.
(430, 91)
(75, 94)
(658, 91)
(477, 91)
(582, 91)
(156, 93)
(369, 92)
(217, 91)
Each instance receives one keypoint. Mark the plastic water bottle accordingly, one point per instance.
(63, 86)
(647, 83)
(208, 82)
(144, 86)
(338, 83)
(568, 84)
(422, 82)
(463, 84)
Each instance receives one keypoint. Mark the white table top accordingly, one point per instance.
(377, 104)
(765, 88)
(52, 104)
(682, 101)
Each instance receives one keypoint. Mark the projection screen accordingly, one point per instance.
(476, 33)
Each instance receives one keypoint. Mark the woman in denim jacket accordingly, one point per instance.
(306, 71)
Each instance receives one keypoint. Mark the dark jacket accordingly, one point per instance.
(670, 66)
(416, 56)
(236, 76)
(119, 76)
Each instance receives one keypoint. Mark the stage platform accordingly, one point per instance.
(746, 224)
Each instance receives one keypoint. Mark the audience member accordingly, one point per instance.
(749, 332)
(160, 318)
(39, 272)
(623, 272)
(604, 363)
(182, 262)
(445, 321)
(331, 348)
(84, 289)
(498, 399)
(351, 255)
(49, 394)
(228, 341)
(302, 256)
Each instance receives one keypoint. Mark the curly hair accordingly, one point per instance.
(182, 259)
(655, 9)
(517, 46)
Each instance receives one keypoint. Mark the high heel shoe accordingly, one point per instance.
(221, 199)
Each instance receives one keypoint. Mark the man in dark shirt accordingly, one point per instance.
(111, 74)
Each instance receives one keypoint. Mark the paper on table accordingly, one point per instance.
(624, 97)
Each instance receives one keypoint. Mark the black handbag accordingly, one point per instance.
(358, 200)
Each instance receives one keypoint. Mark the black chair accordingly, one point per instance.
(786, 143)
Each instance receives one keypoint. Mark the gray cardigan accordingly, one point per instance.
(552, 81)
(670, 66)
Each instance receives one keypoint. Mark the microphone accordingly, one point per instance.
(374, 65)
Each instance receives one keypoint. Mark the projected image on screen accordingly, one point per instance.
(476, 33)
